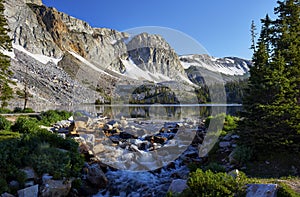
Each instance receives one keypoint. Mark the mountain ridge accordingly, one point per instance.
(98, 59)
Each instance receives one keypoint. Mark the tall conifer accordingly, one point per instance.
(5, 44)
(272, 117)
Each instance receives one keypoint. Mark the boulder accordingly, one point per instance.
(177, 186)
(82, 122)
(46, 177)
(262, 190)
(29, 191)
(98, 148)
(55, 188)
(29, 172)
(7, 195)
(96, 176)
(89, 139)
(224, 144)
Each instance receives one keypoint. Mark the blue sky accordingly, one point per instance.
(222, 27)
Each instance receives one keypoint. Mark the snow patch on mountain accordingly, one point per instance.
(41, 58)
(134, 72)
(228, 65)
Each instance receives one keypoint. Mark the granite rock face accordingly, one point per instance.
(88, 63)
(154, 54)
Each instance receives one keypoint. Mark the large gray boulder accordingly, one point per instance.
(55, 188)
(96, 176)
(29, 191)
(262, 190)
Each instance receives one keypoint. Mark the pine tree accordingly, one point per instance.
(253, 36)
(5, 44)
(272, 117)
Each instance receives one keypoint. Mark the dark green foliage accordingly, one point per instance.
(204, 184)
(202, 94)
(77, 183)
(242, 154)
(229, 122)
(40, 149)
(153, 93)
(4, 124)
(235, 91)
(21, 110)
(5, 111)
(272, 118)
(5, 43)
(4, 135)
(214, 167)
(52, 116)
(26, 125)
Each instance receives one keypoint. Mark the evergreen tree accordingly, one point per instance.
(5, 44)
(253, 35)
(272, 117)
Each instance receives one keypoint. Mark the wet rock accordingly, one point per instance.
(96, 176)
(177, 186)
(115, 139)
(55, 188)
(29, 191)
(125, 135)
(114, 124)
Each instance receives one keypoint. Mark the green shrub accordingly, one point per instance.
(52, 116)
(4, 135)
(21, 110)
(214, 167)
(26, 125)
(3, 186)
(286, 191)
(4, 123)
(230, 123)
(42, 150)
(205, 184)
(5, 111)
(242, 154)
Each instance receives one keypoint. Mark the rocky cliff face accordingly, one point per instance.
(153, 53)
(95, 59)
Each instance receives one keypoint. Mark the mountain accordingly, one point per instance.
(66, 61)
